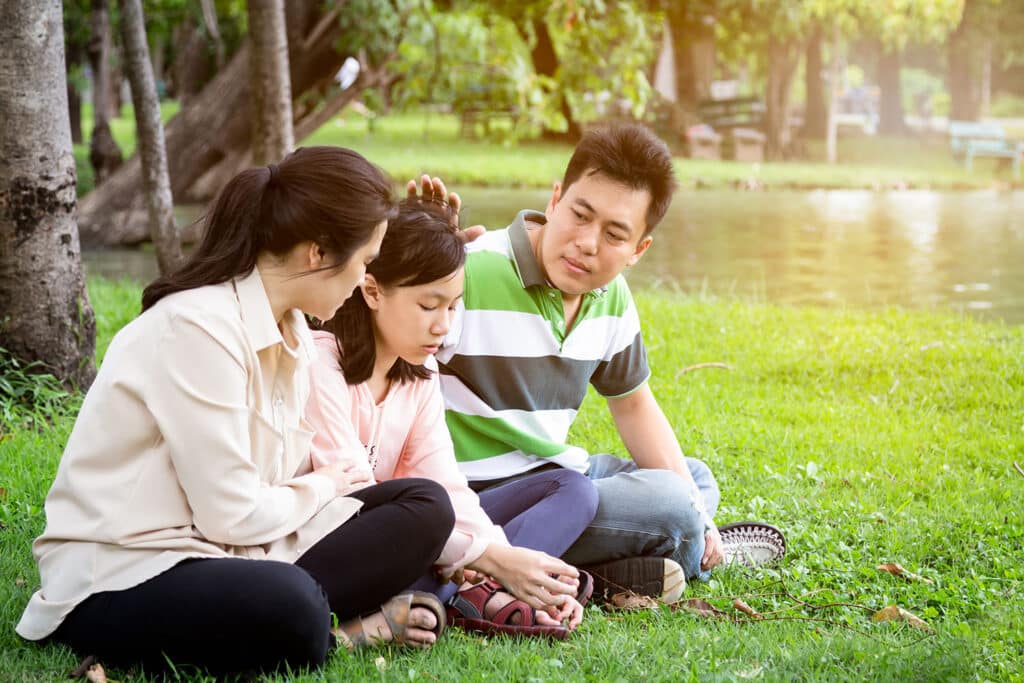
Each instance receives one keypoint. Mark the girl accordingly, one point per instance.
(376, 405)
(185, 519)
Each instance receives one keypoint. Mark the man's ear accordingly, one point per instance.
(641, 247)
(371, 292)
(556, 194)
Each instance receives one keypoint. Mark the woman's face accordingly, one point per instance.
(411, 322)
(332, 287)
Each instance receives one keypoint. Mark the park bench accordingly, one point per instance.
(970, 139)
(479, 105)
(739, 119)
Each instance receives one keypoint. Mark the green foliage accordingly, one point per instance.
(605, 49)
(1007, 106)
(30, 397)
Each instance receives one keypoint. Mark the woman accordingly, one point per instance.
(185, 519)
(376, 405)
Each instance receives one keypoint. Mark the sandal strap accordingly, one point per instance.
(396, 616)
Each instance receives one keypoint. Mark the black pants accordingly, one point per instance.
(229, 614)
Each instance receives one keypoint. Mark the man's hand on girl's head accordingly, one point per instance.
(433, 190)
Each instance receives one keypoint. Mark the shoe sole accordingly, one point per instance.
(655, 577)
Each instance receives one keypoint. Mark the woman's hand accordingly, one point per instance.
(433, 190)
(541, 581)
(347, 475)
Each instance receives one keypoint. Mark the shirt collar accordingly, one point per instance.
(257, 316)
(530, 272)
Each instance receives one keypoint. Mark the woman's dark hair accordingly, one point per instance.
(422, 244)
(328, 195)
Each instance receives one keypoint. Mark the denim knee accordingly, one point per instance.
(670, 504)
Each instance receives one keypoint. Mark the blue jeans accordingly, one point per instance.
(646, 512)
(545, 511)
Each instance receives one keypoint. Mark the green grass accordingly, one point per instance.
(407, 145)
(868, 437)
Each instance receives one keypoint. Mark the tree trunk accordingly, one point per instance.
(890, 103)
(213, 28)
(963, 76)
(815, 113)
(150, 131)
(104, 154)
(832, 121)
(545, 63)
(273, 137)
(44, 310)
(782, 61)
(191, 66)
(214, 128)
(75, 114)
(693, 46)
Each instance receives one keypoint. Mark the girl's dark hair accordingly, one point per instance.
(422, 244)
(328, 195)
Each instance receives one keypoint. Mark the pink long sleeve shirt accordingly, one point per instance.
(404, 435)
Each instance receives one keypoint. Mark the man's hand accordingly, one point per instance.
(712, 550)
(433, 190)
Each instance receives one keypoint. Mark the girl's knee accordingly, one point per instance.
(435, 515)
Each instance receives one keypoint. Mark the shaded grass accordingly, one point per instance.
(868, 437)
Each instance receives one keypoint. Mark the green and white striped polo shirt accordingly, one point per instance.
(512, 379)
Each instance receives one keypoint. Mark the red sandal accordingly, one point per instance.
(466, 610)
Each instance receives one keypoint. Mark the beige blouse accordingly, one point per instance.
(190, 443)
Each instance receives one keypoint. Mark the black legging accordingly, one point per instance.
(230, 614)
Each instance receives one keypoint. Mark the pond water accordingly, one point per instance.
(915, 249)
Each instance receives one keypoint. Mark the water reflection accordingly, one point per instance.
(915, 249)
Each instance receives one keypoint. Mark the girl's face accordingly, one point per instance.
(331, 288)
(411, 322)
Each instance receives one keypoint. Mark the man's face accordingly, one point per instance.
(593, 232)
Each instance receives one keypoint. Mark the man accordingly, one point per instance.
(546, 312)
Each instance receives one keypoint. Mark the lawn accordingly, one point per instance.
(869, 437)
(407, 145)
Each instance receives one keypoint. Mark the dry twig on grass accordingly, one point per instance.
(702, 366)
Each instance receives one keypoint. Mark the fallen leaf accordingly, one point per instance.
(896, 613)
(745, 608)
(633, 601)
(702, 608)
(897, 570)
(19, 582)
(3, 492)
(381, 664)
(96, 674)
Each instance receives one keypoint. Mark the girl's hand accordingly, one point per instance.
(347, 475)
(570, 613)
(433, 190)
(536, 578)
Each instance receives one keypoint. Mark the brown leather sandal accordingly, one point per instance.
(467, 608)
(396, 616)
